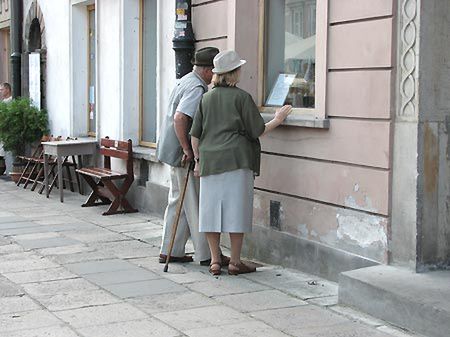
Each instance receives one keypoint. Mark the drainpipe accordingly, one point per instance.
(16, 47)
(183, 41)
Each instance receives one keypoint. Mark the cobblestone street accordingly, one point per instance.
(68, 271)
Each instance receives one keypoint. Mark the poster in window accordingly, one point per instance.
(280, 90)
(35, 79)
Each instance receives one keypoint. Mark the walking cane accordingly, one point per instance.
(177, 216)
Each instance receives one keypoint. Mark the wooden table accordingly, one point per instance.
(61, 149)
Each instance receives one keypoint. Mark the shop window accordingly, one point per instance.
(148, 73)
(295, 55)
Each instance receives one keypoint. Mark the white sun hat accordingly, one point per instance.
(227, 61)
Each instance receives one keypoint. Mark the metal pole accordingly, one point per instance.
(16, 47)
(183, 41)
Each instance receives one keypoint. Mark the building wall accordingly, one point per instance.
(434, 143)
(56, 34)
(5, 49)
(5, 53)
(333, 185)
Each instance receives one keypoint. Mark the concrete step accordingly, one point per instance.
(417, 302)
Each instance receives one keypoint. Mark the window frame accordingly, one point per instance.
(141, 81)
(90, 133)
(319, 111)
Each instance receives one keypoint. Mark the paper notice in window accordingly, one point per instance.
(92, 94)
(280, 90)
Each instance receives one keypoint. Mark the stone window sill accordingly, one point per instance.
(146, 153)
(307, 121)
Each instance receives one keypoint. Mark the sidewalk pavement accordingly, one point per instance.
(68, 271)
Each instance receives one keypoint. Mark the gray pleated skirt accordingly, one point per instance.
(226, 202)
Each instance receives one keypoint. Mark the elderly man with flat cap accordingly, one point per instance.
(174, 149)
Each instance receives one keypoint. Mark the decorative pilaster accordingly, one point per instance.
(409, 57)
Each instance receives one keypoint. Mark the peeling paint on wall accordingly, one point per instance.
(303, 230)
(368, 206)
(365, 230)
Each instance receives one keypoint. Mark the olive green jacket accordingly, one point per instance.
(228, 124)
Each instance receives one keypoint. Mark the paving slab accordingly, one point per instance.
(21, 255)
(26, 265)
(95, 235)
(27, 230)
(270, 276)
(226, 285)
(145, 328)
(171, 302)
(121, 276)
(4, 241)
(47, 243)
(152, 264)
(141, 226)
(189, 277)
(246, 329)
(52, 331)
(39, 213)
(10, 248)
(309, 289)
(260, 300)
(67, 227)
(27, 320)
(127, 249)
(297, 318)
(144, 288)
(195, 318)
(9, 219)
(65, 250)
(59, 220)
(338, 330)
(8, 288)
(326, 301)
(58, 287)
(118, 219)
(149, 237)
(35, 236)
(10, 223)
(76, 299)
(79, 257)
(16, 304)
(396, 332)
(357, 315)
(100, 315)
(93, 267)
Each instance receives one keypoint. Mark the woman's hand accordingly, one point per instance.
(282, 113)
(280, 116)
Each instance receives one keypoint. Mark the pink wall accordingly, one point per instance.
(333, 185)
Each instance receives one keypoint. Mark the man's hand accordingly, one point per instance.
(188, 156)
(197, 170)
(182, 124)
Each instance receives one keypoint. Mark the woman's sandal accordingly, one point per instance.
(241, 269)
(215, 271)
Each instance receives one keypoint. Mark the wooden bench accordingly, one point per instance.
(100, 179)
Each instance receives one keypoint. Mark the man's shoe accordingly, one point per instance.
(180, 259)
(225, 261)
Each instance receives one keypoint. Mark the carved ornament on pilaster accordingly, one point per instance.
(409, 57)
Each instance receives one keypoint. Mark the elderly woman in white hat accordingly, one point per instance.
(227, 156)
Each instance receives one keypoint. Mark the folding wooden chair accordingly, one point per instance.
(100, 179)
(33, 163)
